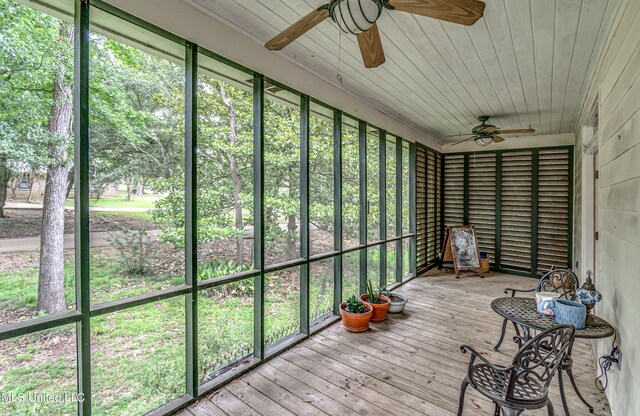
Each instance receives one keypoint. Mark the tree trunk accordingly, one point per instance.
(4, 182)
(14, 185)
(51, 280)
(69, 183)
(139, 189)
(292, 243)
(129, 191)
(235, 177)
(31, 180)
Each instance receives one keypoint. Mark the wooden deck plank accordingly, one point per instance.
(303, 391)
(184, 412)
(408, 365)
(414, 381)
(206, 408)
(350, 399)
(278, 394)
(378, 381)
(256, 400)
(230, 404)
(354, 381)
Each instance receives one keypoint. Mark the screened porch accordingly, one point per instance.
(187, 207)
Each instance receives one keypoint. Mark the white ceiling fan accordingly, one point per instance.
(359, 17)
(485, 134)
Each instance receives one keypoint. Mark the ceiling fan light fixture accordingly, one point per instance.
(483, 140)
(355, 16)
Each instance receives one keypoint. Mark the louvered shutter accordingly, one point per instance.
(516, 211)
(439, 203)
(429, 206)
(432, 199)
(541, 193)
(421, 209)
(454, 190)
(482, 200)
(553, 208)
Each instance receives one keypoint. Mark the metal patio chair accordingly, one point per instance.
(561, 281)
(524, 385)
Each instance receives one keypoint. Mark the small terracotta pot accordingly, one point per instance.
(355, 322)
(379, 309)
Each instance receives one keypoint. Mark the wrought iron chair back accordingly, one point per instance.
(561, 281)
(525, 383)
(539, 358)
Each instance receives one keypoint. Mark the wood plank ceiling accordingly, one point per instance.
(527, 62)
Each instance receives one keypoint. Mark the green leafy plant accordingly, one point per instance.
(385, 292)
(374, 295)
(216, 268)
(134, 249)
(354, 305)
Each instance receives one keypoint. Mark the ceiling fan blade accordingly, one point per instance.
(515, 131)
(491, 129)
(371, 47)
(298, 29)
(464, 140)
(460, 135)
(497, 139)
(464, 12)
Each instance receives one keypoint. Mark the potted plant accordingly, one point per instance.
(378, 302)
(355, 315)
(398, 301)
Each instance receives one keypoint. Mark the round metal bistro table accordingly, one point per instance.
(523, 312)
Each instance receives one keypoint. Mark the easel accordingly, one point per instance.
(448, 252)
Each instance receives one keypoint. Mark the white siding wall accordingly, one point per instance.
(617, 83)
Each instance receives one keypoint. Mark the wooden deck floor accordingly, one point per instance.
(407, 365)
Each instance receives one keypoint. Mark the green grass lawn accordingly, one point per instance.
(138, 355)
(120, 201)
(143, 216)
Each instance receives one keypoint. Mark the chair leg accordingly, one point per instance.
(504, 328)
(550, 409)
(463, 390)
(562, 393)
(510, 411)
(496, 412)
(515, 327)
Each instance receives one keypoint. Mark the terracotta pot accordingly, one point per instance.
(397, 306)
(379, 309)
(356, 322)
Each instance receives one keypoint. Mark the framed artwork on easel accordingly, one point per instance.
(461, 248)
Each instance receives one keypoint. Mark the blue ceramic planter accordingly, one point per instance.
(573, 313)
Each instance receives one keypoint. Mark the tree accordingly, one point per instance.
(5, 175)
(36, 54)
(136, 118)
(224, 169)
(282, 174)
(51, 281)
(137, 140)
(233, 172)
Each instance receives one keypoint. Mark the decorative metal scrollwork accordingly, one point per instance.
(562, 281)
(539, 358)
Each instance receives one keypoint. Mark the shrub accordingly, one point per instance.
(216, 268)
(134, 248)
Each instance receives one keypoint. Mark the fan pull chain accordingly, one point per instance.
(339, 76)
